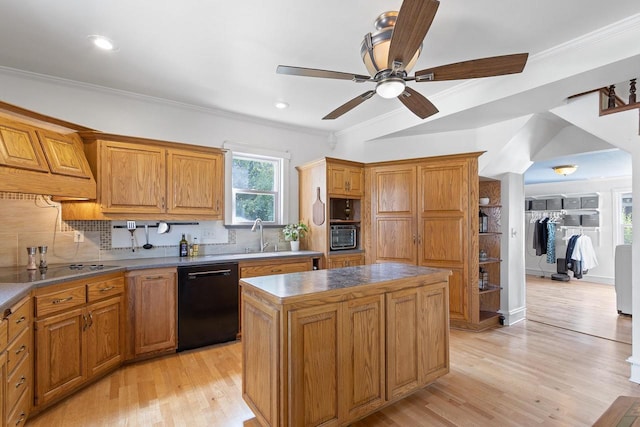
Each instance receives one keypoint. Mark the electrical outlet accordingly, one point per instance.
(78, 236)
(209, 233)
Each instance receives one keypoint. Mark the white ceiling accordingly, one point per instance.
(223, 55)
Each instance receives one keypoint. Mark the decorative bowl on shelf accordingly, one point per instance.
(484, 200)
(483, 255)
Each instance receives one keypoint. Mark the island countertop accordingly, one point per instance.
(283, 288)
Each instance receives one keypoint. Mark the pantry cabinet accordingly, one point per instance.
(151, 312)
(423, 211)
(147, 179)
(79, 334)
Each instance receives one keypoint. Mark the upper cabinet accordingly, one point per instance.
(19, 147)
(64, 154)
(35, 159)
(146, 179)
(344, 180)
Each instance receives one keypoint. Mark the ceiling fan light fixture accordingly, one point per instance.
(375, 46)
(565, 169)
(391, 87)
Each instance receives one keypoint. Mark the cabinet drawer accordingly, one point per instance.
(106, 288)
(18, 417)
(19, 319)
(18, 350)
(267, 270)
(18, 382)
(61, 300)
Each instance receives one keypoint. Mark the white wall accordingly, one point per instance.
(604, 240)
(128, 114)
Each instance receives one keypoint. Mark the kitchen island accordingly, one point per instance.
(329, 347)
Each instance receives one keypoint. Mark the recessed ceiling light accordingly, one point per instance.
(281, 105)
(102, 42)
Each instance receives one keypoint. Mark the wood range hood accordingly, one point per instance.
(43, 155)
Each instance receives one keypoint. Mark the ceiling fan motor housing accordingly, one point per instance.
(375, 46)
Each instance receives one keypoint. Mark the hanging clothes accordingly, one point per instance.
(540, 236)
(551, 242)
(572, 264)
(584, 252)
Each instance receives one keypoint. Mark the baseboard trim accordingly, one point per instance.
(515, 316)
(635, 369)
(586, 277)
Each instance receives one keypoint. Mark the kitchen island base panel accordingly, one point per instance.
(337, 356)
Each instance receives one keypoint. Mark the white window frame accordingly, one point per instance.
(617, 209)
(245, 150)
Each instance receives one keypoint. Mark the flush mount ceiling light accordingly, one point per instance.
(281, 105)
(565, 169)
(102, 42)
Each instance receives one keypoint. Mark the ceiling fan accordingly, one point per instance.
(391, 52)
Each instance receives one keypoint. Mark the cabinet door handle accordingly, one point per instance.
(414, 239)
(20, 320)
(22, 418)
(86, 325)
(61, 300)
(419, 239)
(276, 270)
(108, 288)
(22, 381)
(21, 349)
(90, 320)
(218, 205)
(153, 277)
(162, 202)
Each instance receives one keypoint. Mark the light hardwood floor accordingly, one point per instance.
(528, 374)
(577, 305)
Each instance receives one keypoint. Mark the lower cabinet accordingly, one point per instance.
(151, 312)
(17, 374)
(340, 261)
(342, 360)
(78, 343)
(418, 348)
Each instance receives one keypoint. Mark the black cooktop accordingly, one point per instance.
(22, 275)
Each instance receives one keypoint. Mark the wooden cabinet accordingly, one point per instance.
(364, 372)
(36, 160)
(269, 267)
(330, 359)
(423, 212)
(64, 154)
(18, 371)
(79, 334)
(490, 242)
(340, 261)
(19, 147)
(339, 184)
(152, 303)
(146, 179)
(344, 179)
(418, 349)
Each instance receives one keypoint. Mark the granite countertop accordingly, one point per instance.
(283, 287)
(16, 282)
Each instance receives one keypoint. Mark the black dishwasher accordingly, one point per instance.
(207, 305)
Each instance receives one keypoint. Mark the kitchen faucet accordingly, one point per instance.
(258, 222)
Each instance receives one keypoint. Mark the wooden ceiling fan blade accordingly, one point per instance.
(475, 68)
(413, 23)
(314, 72)
(348, 106)
(418, 104)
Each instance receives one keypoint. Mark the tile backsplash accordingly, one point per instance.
(33, 220)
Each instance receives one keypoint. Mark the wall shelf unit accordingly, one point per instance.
(490, 242)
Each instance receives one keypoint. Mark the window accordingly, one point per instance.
(256, 185)
(626, 219)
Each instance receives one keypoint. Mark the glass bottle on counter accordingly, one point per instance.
(184, 246)
(196, 247)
